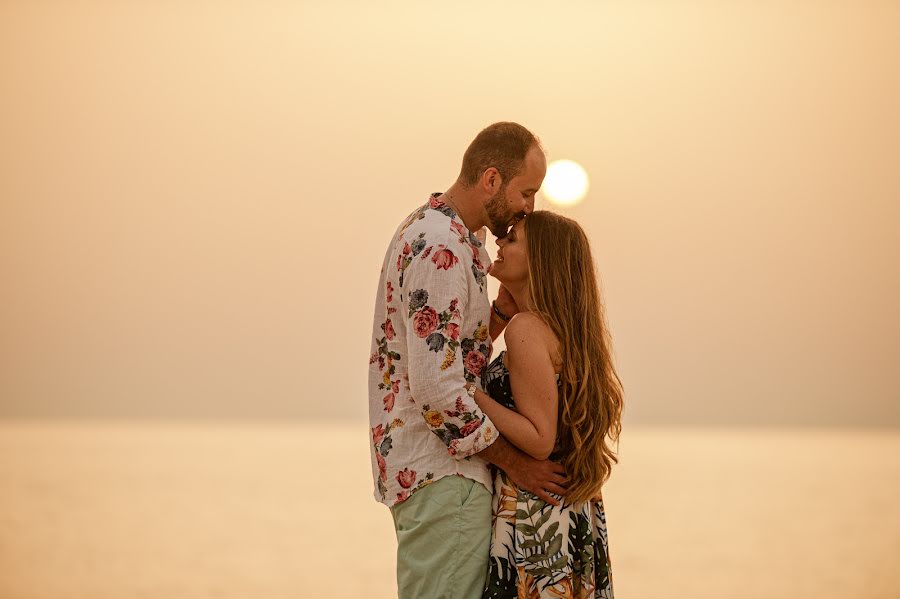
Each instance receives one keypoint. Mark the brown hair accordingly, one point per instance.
(566, 295)
(502, 146)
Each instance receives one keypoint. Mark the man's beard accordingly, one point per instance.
(498, 214)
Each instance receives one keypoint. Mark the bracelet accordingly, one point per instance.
(499, 314)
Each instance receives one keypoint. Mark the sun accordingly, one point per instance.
(566, 183)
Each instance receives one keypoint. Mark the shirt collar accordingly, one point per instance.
(435, 203)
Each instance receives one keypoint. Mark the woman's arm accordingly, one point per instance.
(532, 426)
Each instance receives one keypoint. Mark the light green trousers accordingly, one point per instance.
(443, 540)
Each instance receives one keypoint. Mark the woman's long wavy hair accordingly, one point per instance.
(565, 292)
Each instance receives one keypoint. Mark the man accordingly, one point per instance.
(432, 334)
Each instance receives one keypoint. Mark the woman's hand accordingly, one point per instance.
(505, 302)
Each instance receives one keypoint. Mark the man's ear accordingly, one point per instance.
(491, 181)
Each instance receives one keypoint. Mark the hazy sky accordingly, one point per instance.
(195, 197)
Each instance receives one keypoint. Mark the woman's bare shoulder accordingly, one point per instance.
(529, 330)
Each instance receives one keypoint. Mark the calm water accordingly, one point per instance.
(119, 510)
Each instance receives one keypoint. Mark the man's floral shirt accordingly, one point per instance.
(429, 337)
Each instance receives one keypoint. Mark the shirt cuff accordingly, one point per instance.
(476, 441)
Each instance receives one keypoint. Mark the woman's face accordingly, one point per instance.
(511, 265)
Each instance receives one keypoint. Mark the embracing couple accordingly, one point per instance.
(493, 469)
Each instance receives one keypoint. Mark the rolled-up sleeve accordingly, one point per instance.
(441, 360)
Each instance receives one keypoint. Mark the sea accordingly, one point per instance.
(250, 510)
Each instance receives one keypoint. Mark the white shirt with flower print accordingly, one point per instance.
(429, 337)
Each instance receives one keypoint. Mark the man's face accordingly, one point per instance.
(515, 198)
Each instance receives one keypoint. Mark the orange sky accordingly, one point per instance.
(195, 197)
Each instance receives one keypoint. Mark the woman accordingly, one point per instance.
(554, 392)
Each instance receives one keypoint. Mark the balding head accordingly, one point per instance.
(502, 146)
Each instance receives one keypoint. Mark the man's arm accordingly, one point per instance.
(441, 360)
(540, 477)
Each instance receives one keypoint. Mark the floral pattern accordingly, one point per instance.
(448, 429)
(429, 338)
(539, 550)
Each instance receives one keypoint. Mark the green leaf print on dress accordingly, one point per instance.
(539, 550)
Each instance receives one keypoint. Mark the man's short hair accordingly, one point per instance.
(502, 146)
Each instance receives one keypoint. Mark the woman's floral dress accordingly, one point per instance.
(539, 550)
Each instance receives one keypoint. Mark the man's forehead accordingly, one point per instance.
(535, 165)
(533, 171)
(530, 177)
